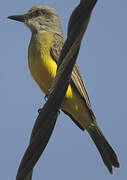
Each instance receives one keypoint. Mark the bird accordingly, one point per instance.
(43, 53)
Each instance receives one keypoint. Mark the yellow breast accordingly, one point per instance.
(42, 67)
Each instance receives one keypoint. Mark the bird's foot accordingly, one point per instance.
(58, 112)
(47, 95)
(39, 110)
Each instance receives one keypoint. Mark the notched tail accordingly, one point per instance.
(107, 153)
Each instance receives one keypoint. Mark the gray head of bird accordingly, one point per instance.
(40, 18)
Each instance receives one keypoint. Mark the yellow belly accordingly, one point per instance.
(43, 70)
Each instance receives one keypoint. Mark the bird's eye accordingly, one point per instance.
(38, 12)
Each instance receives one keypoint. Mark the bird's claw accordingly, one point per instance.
(39, 110)
(47, 95)
(58, 112)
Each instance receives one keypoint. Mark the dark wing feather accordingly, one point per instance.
(76, 79)
(56, 47)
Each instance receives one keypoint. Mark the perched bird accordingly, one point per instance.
(43, 53)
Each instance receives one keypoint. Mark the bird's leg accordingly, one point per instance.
(47, 95)
(58, 111)
(45, 98)
(39, 110)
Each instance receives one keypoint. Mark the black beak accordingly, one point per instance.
(20, 18)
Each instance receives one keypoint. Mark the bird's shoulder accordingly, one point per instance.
(57, 44)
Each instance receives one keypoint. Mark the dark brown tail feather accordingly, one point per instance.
(108, 155)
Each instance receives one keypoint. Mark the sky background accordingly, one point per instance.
(70, 153)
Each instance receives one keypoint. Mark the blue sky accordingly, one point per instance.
(70, 153)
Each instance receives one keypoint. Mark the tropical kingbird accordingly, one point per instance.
(43, 53)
